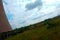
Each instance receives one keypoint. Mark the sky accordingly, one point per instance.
(21, 13)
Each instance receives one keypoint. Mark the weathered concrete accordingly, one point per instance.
(4, 24)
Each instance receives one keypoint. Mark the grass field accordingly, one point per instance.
(46, 30)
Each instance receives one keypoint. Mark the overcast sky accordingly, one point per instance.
(25, 12)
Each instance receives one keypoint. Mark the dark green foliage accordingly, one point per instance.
(50, 23)
(43, 38)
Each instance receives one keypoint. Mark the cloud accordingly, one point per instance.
(18, 17)
(31, 6)
(5, 2)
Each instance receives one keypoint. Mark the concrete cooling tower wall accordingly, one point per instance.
(4, 24)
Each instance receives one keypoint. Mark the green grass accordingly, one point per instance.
(46, 30)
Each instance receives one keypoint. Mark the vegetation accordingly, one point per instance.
(46, 30)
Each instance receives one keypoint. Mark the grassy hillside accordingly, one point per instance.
(46, 30)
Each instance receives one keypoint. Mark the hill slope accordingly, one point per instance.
(46, 30)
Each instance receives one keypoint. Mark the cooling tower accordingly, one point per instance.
(4, 24)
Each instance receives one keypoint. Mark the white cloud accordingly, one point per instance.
(50, 8)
